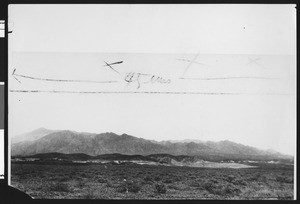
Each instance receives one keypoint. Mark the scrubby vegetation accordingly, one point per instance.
(160, 188)
(132, 181)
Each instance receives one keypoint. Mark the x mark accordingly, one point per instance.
(110, 65)
(254, 61)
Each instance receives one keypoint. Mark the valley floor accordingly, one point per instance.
(108, 181)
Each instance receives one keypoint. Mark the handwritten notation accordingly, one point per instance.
(145, 79)
(140, 79)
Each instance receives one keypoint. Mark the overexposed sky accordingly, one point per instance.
(223, 29)
(69, 42)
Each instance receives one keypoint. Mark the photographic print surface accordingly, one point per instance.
(153, 101)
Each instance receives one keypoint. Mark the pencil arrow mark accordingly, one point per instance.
(56, 80)
(13, 74)
(114, 63)
(109, 65)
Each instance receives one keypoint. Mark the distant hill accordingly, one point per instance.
(31, 136)
(70, 142)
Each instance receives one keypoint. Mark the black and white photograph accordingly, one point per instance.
(152, 102)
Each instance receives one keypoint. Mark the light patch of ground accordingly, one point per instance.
(207, 164)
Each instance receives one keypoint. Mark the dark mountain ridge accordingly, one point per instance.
(71, 142)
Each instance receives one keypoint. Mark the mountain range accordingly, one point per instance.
(70, 142)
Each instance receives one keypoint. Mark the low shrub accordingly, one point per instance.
(148, 179)
(101, 180)
(94, 194)
(230, 178)
(133, 187)
(207, 186)
(157, 178)
(81, 184)
(239, 182)
(230, 189)
(160, 188)
(175, 187)
(224, 189)
(62, 179)
(128, 186)
(167, 180)
(194, 183)
(89, 195)
(121, 189)
(59, 187)
(177, 178)
(284, 179)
